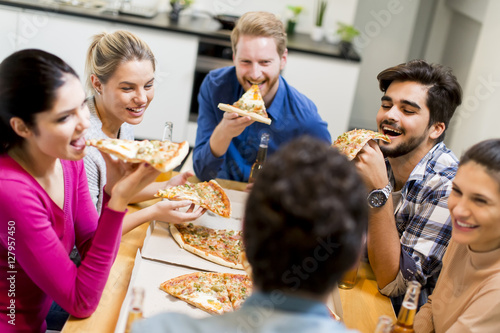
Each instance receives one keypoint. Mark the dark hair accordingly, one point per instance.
(307, 211)
(29, 80)
(444, 93)
(487, 154)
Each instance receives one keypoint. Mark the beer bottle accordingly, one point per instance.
(261, 157)
(135, 312)
(167, 131)
(167, 136)
(406, 315)
(384, 324)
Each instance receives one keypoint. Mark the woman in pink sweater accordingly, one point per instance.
(467, 294)
(46, 208)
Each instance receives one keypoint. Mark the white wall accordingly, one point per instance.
(479, 116)
(386, 32)
(337, 10)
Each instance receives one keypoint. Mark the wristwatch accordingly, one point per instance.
(378, 198)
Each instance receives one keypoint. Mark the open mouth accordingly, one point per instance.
(78, 144)
(260, 84)
(137, 110)
(391, 132)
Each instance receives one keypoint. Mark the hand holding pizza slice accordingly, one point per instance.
(350, 143)
(209, 195)
(250, 104)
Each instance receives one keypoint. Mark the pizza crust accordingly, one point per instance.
(224, 197)
(243, 113)
(208, 256)
(114, 152)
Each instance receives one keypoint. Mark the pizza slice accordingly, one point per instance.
(162, 155)
(250, 104)
(239, 287)
(350, 143)
(206, 291)
(209, 195)
(223, 247)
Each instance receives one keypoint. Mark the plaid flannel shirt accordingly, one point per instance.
(423, 219)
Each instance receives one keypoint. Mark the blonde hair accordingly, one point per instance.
(260, 24)
(109, 50)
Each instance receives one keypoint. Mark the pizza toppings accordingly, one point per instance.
(350, 143)
(162, 155)
(216, 293)
(209, 195)
(250, 104)
(252, 101)
(223, 247)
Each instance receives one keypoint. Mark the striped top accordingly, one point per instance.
(94, 163)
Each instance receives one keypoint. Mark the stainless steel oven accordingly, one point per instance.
(212, 54)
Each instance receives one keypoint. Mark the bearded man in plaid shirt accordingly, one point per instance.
(410, 177)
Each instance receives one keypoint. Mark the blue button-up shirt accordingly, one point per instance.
(292, 114)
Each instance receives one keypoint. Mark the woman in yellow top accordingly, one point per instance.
(467, 294)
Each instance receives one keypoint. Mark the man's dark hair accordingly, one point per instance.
(305, 218)
(444, 93)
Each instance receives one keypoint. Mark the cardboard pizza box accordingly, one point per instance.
(150, 275)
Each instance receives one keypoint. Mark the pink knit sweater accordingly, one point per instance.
(36, 237)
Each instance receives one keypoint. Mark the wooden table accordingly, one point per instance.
(361, 305)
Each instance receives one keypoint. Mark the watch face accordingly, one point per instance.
(377, 199)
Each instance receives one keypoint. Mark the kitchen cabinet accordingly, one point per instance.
(330, 83)
(8, 25)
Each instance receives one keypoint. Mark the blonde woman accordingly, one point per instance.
(120, 70)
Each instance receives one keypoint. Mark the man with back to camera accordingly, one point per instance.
(227, 144)
(302, 212)
(409, 226)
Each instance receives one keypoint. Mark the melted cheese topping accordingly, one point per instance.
(252, 101)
